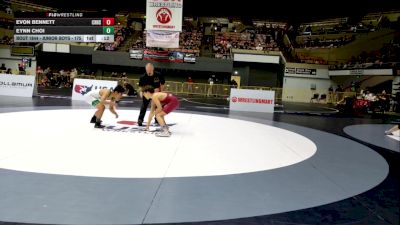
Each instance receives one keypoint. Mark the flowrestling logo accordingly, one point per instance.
(9, 84)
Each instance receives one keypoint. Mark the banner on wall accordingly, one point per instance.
(153, 55)
(165, 15)
(162, 39)
(362, 72)
(301, 71)
(189, 58)
(17, 85)
(136, 54)
(168, 56)
(84, 86)
(252, 100)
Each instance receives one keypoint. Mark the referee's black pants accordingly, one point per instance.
(143, 109)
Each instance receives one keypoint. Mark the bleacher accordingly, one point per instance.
(303, 58)
(6, 25)
(321, 27)
(334, 32)
(385, 58)
(324, 41)
(189, 42)
(372, 18)
(224, 41)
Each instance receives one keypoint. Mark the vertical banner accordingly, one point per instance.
(165, 15)
(162, 39)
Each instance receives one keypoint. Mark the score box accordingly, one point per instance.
(108, 30)
(108, 21)
(105, 38)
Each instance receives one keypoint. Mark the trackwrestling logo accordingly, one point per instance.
(82, 89)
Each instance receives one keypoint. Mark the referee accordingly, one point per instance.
(153, 79)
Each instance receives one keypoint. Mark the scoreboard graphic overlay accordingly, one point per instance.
(63, 27)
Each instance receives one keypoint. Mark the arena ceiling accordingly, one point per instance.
(290, 10)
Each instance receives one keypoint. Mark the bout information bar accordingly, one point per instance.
(63, 27)
(63, 38)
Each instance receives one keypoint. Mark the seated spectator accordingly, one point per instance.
(9, 71)
(72, 75)
(9, 10)
(370, 96)
(234, 84)
(63, 72)
(131, 90)
(39, 70)
(21, 68)
(384, 58)
(45, 82)
(3, 67)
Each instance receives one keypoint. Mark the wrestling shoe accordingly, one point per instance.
(387, 132)
(140, 123)
(164, 133)
(93, 120)
(98, 125)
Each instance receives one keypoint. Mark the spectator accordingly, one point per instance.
(21, 68)
(45, 82)
(339, 89)
(130, 90)
(72, 75)
(9, 71)
(330, 94)
(3, 67)
(63, 72)
(39, 70)
(123, 75)
(234, 84)
(211, 81)
(190, 84)
(9, 10)
(339, 93)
